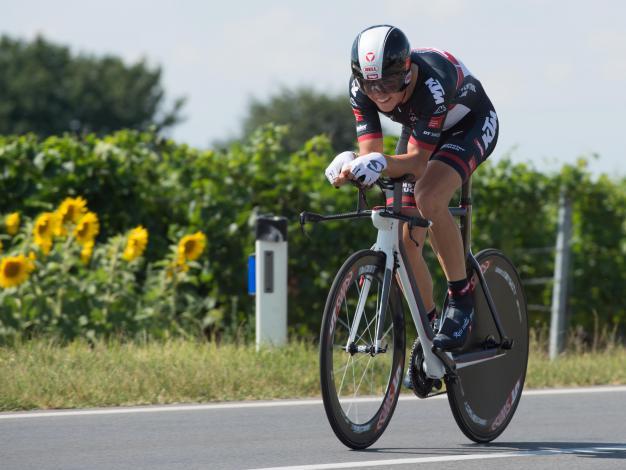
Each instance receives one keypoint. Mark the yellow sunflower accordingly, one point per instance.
(12, 222)
(86, 252)
(87, 228)
(136, 243)
(14, 270)
(191, 247)
(42, 231)
(70, 211)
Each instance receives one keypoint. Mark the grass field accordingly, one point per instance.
(42, 374)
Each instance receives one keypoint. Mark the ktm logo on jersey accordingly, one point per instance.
(489, 128)
(436, 89)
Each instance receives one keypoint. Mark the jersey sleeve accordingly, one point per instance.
(365, 114)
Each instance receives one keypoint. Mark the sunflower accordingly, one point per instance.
(43, 231)
(14, 270)
(87, 228)
(136, 243)
(86, 252)
(12, 223)
(191, 247)
(70, 211)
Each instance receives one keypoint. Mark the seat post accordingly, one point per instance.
(397, 198)
(465, 202)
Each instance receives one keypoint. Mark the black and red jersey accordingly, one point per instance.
(445, 92)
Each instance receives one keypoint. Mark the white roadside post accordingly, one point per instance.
(271, 280)
(558, 323)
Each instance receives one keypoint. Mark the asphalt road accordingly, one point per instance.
(582, 430)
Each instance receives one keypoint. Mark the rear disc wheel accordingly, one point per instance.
(485, 395)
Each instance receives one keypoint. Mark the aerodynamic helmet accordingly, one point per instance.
(381, 59)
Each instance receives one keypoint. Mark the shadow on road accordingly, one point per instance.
(604, 450)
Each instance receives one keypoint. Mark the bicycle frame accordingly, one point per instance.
(389, 241)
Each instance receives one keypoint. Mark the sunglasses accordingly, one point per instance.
(390, 84)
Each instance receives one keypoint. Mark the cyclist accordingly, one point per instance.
(449, 127)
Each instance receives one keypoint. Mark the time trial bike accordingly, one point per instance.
(362, 338)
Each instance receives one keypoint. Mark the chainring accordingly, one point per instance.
(422, 385)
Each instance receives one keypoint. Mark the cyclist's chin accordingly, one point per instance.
(388, 102)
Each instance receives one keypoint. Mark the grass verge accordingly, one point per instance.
(42, 374)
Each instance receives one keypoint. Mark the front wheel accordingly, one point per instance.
(484, 395)
(360, 385)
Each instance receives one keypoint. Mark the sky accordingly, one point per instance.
(555, 70)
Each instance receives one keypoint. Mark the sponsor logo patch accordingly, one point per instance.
(354, 88)
(435, 122)
(375, 166)
(436, 90)
(489, 128)
(372, 76)
(466, 89)
(358, 114)
(455, 147)
(441, 109)
(370, 56)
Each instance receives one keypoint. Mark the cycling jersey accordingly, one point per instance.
(448, 113)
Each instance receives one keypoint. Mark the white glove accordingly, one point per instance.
(335, 166)
(366, 169)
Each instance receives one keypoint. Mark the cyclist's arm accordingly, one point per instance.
(413, 162)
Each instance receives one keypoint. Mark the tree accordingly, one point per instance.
(307, 113)
(47, 90)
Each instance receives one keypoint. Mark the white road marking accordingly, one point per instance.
(267, 404)
(450, 458)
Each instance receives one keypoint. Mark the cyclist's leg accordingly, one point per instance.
(461, 150)
(433, 193)
(416, 260)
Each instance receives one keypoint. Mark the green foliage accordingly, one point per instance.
(308, 113)
(47, 90)
(131, 178)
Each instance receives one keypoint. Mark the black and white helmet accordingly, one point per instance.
(381, 59)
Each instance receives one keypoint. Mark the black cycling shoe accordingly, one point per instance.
(455, 328)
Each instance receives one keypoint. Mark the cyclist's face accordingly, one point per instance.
(385, 96)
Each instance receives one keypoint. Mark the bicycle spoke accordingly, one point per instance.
(362, 376)
(359, 358)
(367, 329)
(353, 385)
(339, 320)
(344, 376)
(345, 302)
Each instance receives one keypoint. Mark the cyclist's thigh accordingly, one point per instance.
(468, 143)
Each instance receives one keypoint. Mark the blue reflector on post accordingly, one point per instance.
(251, 275)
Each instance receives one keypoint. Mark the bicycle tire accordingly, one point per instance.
(343, 401)
(484, 397)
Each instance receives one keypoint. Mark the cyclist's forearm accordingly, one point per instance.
(413, 163)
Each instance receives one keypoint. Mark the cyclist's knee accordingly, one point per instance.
(418, 235)
(430, 203)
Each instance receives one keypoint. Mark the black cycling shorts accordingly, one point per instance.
(463, 147)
